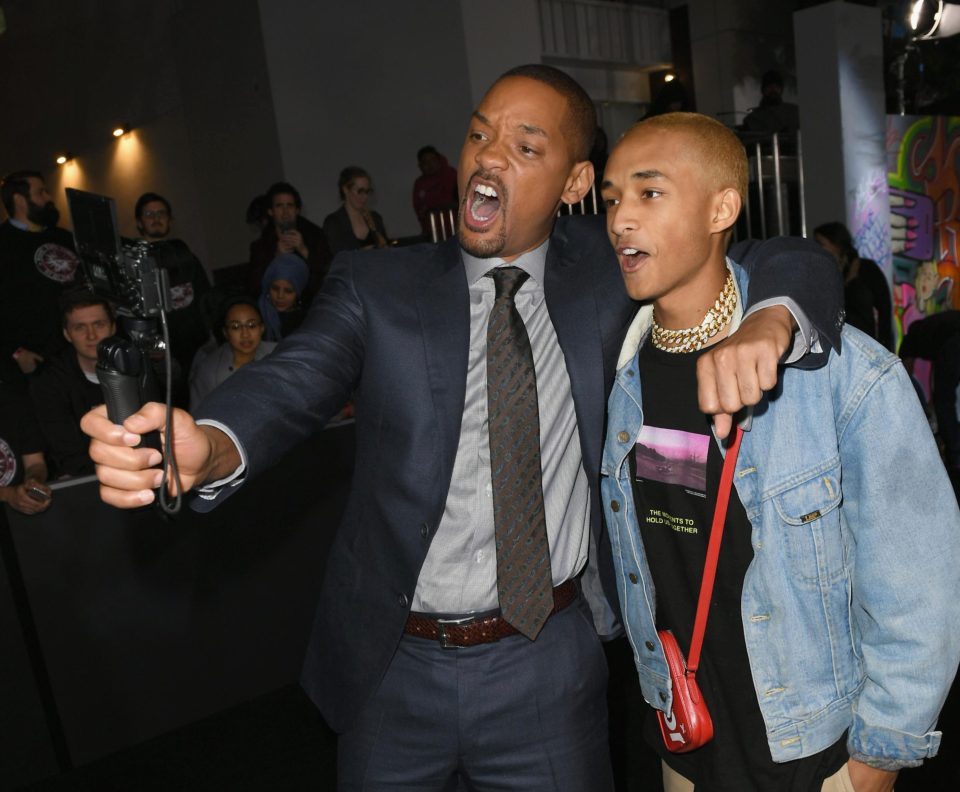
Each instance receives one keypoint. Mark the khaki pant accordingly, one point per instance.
(674, 782)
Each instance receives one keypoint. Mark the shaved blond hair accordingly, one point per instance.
(718, 150)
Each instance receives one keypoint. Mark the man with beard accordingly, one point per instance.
(189, 328)
(36, 263)
(454, 639)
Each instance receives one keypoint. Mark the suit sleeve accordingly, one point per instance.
(273, 403)
(800, 270)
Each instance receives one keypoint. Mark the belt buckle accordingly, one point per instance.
(442, 624)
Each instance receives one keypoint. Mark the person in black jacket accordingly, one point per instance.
(289, 232)
(866, 294)
(68, 387)
(37, 262)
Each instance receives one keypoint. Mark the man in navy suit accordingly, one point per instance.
(410, 659)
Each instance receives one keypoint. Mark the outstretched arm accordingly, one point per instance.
(791, 276)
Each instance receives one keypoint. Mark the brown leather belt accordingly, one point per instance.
(474, 630)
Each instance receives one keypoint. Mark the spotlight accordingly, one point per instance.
(64, 158)
(669, 77)
(120, 131)
(933, 19)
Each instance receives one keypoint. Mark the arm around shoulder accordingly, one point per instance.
(800, 270)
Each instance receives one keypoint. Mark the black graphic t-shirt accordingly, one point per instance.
(676, 472)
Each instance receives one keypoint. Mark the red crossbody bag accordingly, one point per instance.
(688, 725)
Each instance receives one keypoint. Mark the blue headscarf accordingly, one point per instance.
(288, 267)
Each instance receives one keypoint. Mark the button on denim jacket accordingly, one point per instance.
(851, 605)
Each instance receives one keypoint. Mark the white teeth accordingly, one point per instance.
(486, 190)
(630, 251)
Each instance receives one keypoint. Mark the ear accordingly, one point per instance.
(20, 204)
(578, 182)
(726, 210)
(66, 336)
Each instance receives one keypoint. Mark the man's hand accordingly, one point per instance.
(128, 475)
(19, 497)
(292, 242)
(868, 779)
(28, 361)
(735, 373)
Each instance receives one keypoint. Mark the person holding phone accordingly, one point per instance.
(23, 470)
(289, 232)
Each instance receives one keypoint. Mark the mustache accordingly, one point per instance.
(490, 178)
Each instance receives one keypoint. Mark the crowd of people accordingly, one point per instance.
(518, 497)
(52, 323)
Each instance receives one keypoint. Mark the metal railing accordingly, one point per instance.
(599, 32)
(775, 200)
(774, 204)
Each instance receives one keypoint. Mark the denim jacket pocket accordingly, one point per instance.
(810, 525)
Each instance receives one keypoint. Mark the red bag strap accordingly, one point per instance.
(713, 550)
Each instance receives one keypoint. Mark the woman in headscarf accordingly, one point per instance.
(281, 290)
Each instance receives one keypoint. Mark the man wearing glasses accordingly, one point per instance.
(189, 328)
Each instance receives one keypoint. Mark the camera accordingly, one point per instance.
(127, 272)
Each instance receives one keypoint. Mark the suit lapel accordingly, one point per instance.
(443, 303)
(573, 310)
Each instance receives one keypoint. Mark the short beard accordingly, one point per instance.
(46, 216)
(483, 247)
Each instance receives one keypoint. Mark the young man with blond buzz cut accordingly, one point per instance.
(831, 641)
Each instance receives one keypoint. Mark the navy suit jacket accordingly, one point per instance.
(393, 327)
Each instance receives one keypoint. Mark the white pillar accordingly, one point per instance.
(843, 120)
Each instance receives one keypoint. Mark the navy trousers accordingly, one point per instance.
(511, 715)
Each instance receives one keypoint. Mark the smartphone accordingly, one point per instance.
(38, 494)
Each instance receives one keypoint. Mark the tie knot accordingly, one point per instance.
(508, 280)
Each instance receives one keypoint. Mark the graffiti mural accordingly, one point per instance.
(923, 155)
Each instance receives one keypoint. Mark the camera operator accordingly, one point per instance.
(189, 329)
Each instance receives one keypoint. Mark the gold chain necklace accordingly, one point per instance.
(690, 339)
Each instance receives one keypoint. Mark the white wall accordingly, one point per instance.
(842, 116)
(365, 83)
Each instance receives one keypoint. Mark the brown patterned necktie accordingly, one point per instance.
(524, 581)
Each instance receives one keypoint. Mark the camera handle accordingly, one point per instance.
(127, 381)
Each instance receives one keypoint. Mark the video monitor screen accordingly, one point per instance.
(98, 243)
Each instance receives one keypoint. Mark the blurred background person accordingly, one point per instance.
(38, 264)
(189, 284)
(288, 231)
(354, 226)
(773, 114)
(280, 297)
(866, 294)
(435, 188)
(67, 387)
(23, 471)
(243, 333)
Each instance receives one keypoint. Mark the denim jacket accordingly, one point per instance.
(851, 605)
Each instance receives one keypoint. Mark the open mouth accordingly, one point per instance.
(483, 205)
(631, 258)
